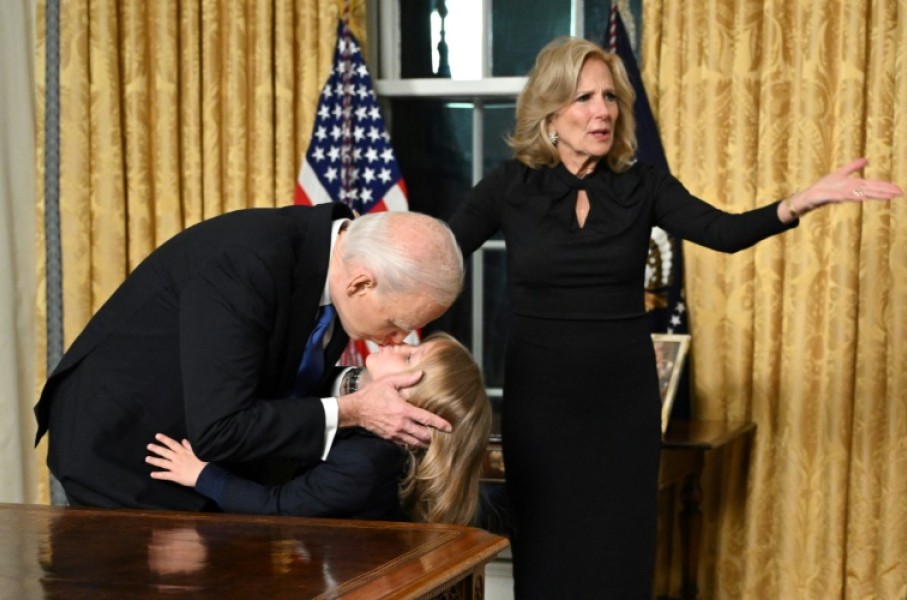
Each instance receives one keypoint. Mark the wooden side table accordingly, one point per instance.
(684, 447)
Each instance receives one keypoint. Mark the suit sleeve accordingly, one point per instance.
(358, 473)
(229, 321)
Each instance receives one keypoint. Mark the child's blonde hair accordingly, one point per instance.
(442, 485)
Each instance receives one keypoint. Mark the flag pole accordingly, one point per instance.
(345, 12)
(346, 129)
(612, 28)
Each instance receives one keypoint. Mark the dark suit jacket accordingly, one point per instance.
(202, 341)
(359, 480)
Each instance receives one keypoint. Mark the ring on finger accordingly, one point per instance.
(858, 192)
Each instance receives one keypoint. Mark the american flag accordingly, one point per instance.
(350, 158)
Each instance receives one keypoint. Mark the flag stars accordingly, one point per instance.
(350, 149)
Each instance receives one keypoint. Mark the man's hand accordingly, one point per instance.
(380, 408)
(178, 461)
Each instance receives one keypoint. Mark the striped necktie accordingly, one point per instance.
(312, 365)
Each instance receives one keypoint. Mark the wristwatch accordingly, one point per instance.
(349, 384)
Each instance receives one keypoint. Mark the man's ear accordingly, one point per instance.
(360, 283)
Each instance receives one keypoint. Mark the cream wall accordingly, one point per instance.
(18, 467)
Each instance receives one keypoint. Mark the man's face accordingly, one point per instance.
(385, 318)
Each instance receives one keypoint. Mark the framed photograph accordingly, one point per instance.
(670, 354)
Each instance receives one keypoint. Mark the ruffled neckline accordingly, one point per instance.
(610, 196)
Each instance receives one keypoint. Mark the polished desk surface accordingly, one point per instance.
(61, 552)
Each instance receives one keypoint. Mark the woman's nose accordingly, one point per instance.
(603, 108)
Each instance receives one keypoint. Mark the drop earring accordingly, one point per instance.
(553, 137)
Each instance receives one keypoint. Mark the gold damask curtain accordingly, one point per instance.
(169, 113)
(804, 334)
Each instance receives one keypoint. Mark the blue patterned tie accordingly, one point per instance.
(312, 364)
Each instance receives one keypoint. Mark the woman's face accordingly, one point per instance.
(585, 126)
(394, 359)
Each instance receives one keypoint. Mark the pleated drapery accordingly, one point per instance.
(804, 334)
(167, 113)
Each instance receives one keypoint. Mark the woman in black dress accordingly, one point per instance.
(580, 417)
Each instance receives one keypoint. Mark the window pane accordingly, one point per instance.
(433, 142)
(415, 39)
(423, 32)
(498, 124)
(496, 307)
(520, 28)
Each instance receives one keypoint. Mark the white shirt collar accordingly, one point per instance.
(335, 232)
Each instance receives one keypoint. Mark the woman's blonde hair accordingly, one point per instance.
(551, 86)
(442, 485)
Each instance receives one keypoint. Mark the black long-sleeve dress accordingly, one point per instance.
(581, 407)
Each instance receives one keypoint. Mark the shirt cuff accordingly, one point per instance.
(331, 417)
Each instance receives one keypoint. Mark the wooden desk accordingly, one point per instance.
(55, 552)
(684, 446)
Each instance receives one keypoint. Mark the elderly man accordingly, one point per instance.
(205, 341)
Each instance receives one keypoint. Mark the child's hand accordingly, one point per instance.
(177, 460)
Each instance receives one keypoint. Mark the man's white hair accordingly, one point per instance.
(409, 253)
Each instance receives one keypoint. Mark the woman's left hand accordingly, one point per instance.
(841, 186)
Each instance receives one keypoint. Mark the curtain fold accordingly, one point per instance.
(803, 334)
(17, 223)
(169, 113)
